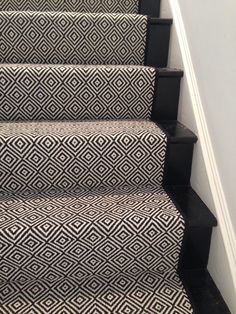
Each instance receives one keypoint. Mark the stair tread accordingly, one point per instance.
(177, 132)
(170, 72)
(79, 225)
(194, 209)
(150, 293)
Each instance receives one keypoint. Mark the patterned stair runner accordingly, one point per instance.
(109, 243)
(74, 38)
(64, 155)
(93, 6)
(46, 92)
(85, 224)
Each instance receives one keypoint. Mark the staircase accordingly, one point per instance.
(97, 214)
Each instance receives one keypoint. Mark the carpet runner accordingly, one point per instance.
(93, 6)
(81, 233)
(85, 224)
(63, 155)
(46, 92)
(75, 38)
(92, 252)
(149, 294)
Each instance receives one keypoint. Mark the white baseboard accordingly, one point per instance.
(221, 206)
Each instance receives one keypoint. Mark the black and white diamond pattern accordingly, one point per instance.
(63, 155)
(148, 294)
(82, 233)
(93, 6)
(46, 92)
(85, 226)
(72, 38)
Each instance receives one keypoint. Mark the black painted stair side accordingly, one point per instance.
(179, 153)
(149, 7)
(204, 293)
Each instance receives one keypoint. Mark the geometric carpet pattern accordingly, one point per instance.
(72, 38)
(56, 92)
(90, 154)
(148, 294)
(99, 252)
(93, 6)
(82, 233)
(85, 224)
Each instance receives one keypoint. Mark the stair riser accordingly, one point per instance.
(90, 234)
(149, 7)
(68, 155)
(73, 38)
(76, 93)
(158, 43)
(146, 7)
(166, 102)
(178, 164)
(177, 169)
(87, 93)
(60, 161)
(196, 248)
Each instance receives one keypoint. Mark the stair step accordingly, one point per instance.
(147, 7)
(200, 223)
(179, 153)
(124, 242)
(64, 155)
(79, 233)
(195, 210)
(149, 294)
(81, 38)
(78, 92)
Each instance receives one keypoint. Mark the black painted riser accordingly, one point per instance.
(178, 164)
(197, 248)
(158, 42)
(165, 106)
(149, 7)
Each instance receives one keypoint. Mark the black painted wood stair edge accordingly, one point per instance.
(199, 226)
(179, 155)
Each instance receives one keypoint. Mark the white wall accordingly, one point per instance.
(211, 33)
